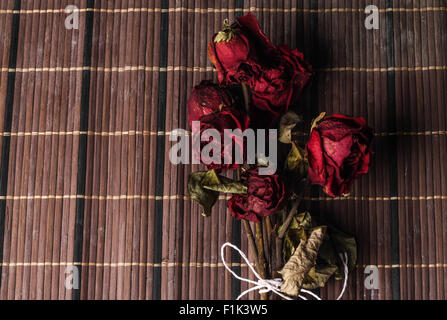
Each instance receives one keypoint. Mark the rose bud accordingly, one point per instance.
(278, 86)
(227, 50)
(238, 50)
(227, 118)
(207, 98)
(338, 151)
(266, 196)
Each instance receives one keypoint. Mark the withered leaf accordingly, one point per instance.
(214, 182)
(206, 198)
(296, 168)
(301, 262)
(286, 124)
(296, 162)
(318, 276)
(343, 242)
(316, 120)
(224, 36)
(227, 33)
(328, 262)
(204, 187)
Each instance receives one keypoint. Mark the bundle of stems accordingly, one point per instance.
(266, 242)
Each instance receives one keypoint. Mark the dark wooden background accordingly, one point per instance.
(86, 114)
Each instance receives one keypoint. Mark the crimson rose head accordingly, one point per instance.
(242, 53)
(266, 196)
(278, 86)
(227, 51)
(206, 98)
(338, 151)
(218, 122)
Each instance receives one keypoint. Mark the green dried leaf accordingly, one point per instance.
(204, 187)
(343, 242)
(318, 276)
(206, 198)
(295, 168)
(226, 34)
(287, 123)
(214, 182)
(298, 231)
(292, 239)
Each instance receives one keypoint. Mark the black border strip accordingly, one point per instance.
(82, 155)
(160, 165)
(391, 102)
(9, 105)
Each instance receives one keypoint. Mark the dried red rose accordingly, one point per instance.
(338, 151)
(266, 196)
(279, 86)
(276, 75)
(228, 50)
(239, 51)
(206, 98)
(227, 118)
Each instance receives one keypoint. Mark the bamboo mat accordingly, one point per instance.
(86, 186)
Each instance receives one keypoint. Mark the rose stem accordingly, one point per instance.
(247, 228)
(266, 242)
(268, 224)
(251, 238)
(292, 213)
(261, 258)
(271, 240)
(289, 218)
(267, 229)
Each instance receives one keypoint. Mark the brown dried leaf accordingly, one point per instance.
(301, 262)
(287, 123)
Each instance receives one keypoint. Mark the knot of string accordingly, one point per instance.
(273, 285)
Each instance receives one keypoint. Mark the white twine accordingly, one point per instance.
(344, 259)
(273, 285)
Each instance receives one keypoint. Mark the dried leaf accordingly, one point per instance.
(214, 182)
(295, 234)
(204, 187)
(296, 165)
(318, 276)
(206, 198)
(296, 169)
(328, 263)
(301, 262)
(287, 123)
(224, 36)
(317, 119)
(343, 242)
(227, 33)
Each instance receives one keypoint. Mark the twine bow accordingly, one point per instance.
(274, 285)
